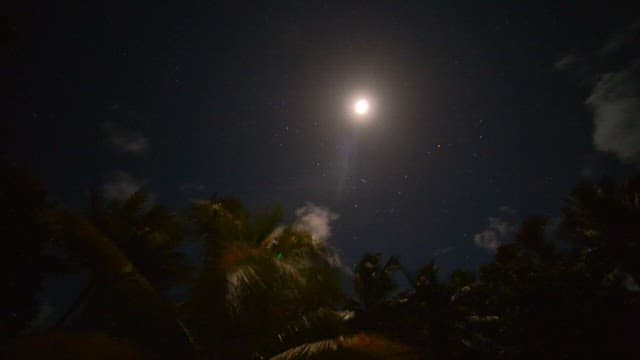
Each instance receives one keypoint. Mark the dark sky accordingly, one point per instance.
(480, 112)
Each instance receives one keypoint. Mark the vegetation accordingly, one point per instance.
(265, 289)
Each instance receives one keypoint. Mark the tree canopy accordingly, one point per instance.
(267, 289)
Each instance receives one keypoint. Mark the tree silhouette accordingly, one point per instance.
(259, 281)
(566, 303)
(24, 263)
(125, 304)
(604, 221)
(148, 234)
(373, 282)
(358, 346)
(266, 289)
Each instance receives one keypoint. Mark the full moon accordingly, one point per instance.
(361, 107)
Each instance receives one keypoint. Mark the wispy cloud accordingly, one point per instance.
(125, 140)
(507, 210)
(497, 232)
(565, 62)
(443, 251)
(615, 102)
(120, 186)
(316, 220)
(615, 92)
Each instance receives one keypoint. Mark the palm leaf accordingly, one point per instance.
(130, 302)
(358, 346)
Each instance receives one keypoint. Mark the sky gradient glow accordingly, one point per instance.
(484, 113)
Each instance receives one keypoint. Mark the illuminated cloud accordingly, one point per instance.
(120, 186)
(565, 62)
(443, 251)
(615, 102)
(615, 94)
(507, 210)
(316, 220)
(497, 232)
(124, 140)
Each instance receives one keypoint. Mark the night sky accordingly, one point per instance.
(483, 112)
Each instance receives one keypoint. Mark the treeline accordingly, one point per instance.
(265, 289)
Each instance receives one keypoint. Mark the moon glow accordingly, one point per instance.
(361, 107)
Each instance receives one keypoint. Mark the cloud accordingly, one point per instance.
(566, 62)
(443, 251)
(615, 94)
(120, 186)
(497, 232)
(507, 210)
(316, 220)
(615, 102)
(124, 140)
(620, 39)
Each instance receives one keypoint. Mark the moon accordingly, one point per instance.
(361, 107)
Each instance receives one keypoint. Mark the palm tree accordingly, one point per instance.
(373, 282)
(604, 220)
(125, 304)
(262, 286)
(129, 234)
(149, 235)
(369, 346)
(24, 264)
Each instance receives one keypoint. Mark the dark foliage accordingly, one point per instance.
(269, 290)
(24, 263)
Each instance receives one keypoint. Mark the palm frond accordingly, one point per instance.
(358, 346)
(316, 324)
(309, 350)
(139, 309)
